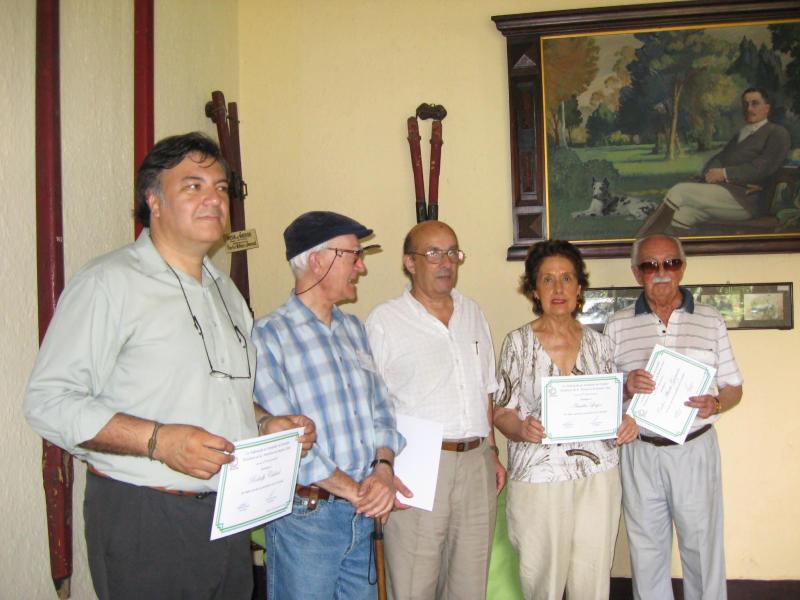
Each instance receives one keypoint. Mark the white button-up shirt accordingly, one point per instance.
(750, 129)
(437, 372)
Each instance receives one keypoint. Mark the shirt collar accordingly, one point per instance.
(417, 305)
(300, 314)
(687, 304)
(751, 128)
(153, 263)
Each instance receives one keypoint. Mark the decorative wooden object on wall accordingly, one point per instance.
(554, 178)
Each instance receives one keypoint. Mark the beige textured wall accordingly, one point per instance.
(22, 566)
(195, 52)
(326, 87)
(96, 110)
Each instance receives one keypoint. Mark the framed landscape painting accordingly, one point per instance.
(610, 108)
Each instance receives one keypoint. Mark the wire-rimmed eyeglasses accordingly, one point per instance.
(359, 253)
(239, 335)
(435, 255)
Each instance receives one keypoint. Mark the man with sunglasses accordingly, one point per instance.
(314, 358)
(729, 187)
(663, 482)
(146, 374)
(433, 347)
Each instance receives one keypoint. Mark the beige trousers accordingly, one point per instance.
(444, 554)
(698, 202)
(564, 533)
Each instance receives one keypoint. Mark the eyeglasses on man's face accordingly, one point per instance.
(668, 264)
(358, 253)
(436, 255)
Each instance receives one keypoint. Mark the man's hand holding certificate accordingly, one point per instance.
(581, 408)
(677, 378)
(258, 486)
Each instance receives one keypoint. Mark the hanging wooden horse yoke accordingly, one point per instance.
(226, 118)
(426, 211)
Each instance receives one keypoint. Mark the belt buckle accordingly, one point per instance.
(313, 499)
(461, 446)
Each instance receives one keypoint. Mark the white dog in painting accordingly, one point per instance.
(604, 204)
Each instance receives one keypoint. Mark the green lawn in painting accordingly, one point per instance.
(643, 175)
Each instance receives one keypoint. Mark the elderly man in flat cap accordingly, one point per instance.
(316, 359)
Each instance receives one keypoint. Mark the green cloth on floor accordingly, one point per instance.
(503, 570)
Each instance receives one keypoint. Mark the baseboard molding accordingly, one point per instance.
(738, 589)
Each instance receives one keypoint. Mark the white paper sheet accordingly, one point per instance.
(418, 464)
(581, 408)
(258, 486)
(677, 377)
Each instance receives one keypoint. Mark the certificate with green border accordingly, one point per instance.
(581, 408)
(677, 378)
(258, 486)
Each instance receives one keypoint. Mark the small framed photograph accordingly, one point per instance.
(742, 305)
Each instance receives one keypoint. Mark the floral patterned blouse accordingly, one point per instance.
(523, 363)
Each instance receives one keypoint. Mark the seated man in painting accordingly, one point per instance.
(729, 184)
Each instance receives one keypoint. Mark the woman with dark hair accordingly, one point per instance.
(563, 501)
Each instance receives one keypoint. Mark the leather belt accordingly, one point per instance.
(462, 446)
(163, 490)
(314, 493)
(659, 441)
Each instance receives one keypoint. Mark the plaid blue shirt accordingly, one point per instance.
(327, 374)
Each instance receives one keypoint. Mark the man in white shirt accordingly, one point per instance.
(434, 350)
(730, 181)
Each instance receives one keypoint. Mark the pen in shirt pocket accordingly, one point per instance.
(476, 348)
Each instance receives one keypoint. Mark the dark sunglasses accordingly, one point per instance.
(652, 266)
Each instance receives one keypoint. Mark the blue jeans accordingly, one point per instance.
(320, 554)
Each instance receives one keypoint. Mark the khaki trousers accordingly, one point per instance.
(564, 533)
(444, 554)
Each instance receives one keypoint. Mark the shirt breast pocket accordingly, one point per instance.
(470, 355)
(707, 356)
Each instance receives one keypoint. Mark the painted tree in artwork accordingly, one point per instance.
(614, 83)
(786, 38)
(600, 125)
(712, 109)
(669, 66)
(760, 67)
(570, 65)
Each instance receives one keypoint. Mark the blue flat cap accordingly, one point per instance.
(312, 228)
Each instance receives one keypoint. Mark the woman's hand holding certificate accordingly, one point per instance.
(581, 408)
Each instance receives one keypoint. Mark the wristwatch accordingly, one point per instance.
(717, 405)
(382, 461)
